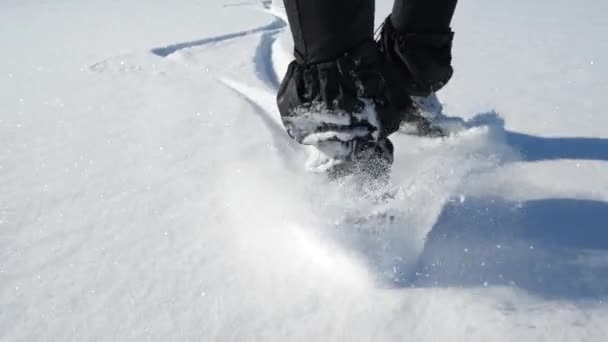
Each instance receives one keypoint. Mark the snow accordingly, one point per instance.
(148, 191)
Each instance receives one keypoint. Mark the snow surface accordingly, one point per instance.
(149, 193)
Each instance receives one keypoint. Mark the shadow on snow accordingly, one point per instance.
(554, 248)
(168, 50)
(534, 148)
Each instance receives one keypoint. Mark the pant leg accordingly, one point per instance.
(423, 16)
(324, 29)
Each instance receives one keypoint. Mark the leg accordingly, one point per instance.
(417, 38)
(324, 30)
(423, 16)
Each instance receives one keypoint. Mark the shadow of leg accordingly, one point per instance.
(556, 248)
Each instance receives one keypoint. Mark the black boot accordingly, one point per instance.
(346, 108)
(422, 59)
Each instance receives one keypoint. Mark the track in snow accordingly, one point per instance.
(483, 207)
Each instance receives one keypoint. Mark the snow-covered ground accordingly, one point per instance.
(147, 192)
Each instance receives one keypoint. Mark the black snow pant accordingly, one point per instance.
(324, 29)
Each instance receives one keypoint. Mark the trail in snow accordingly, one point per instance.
(156, 196)
(392, 235)
(428, 175)
(460, 159)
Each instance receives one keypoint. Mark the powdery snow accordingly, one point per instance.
(149, 192)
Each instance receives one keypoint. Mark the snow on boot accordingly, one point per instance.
(429, 112)
(345, 108)
(431, 109)
(371, 159)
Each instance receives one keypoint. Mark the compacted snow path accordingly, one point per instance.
(149, 191)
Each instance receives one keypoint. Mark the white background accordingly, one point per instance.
(143, 198)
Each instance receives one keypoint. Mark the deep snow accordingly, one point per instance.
(148, 192)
